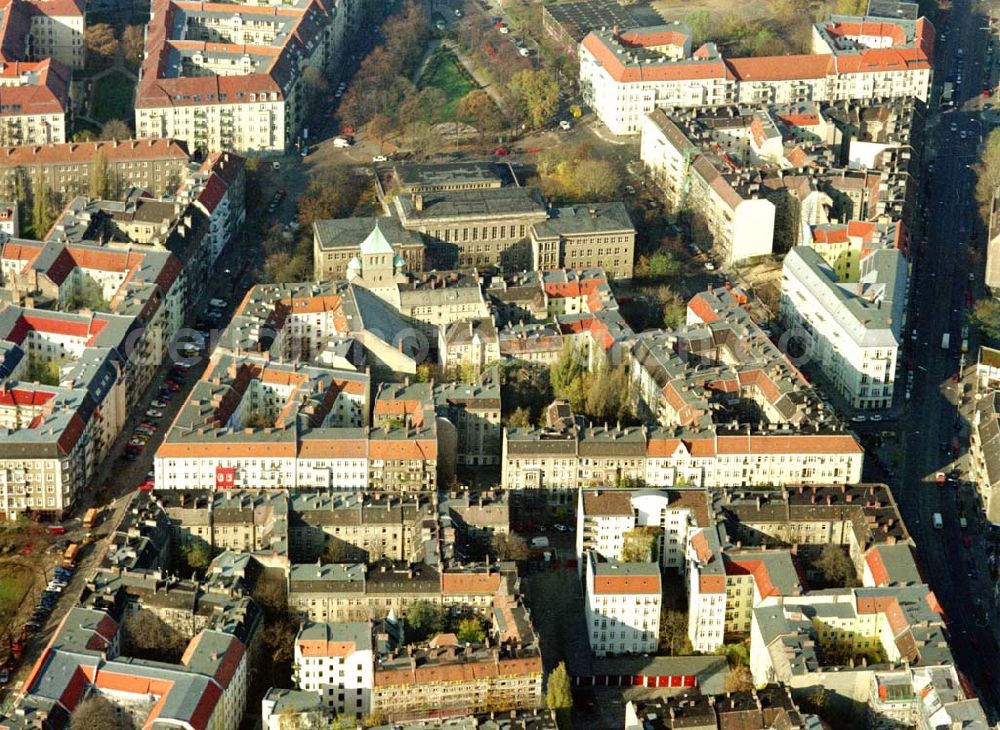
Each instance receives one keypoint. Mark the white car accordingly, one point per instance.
(565, 125)
(709, 266)
(524, 51)
(341, 142)
(504, 30)
(217, 303)
(380, 158)
(276, 165)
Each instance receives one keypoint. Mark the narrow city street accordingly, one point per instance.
(952, 557)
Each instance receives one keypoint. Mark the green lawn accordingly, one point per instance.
(444, 72)
(14, 583)
(113, 98)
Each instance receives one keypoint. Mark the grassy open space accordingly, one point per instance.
(444, 72)
(112, 97)
(15, 580)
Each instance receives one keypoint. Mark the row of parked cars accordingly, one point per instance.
(50, 596)
(150, 425)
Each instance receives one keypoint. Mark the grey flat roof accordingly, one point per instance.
(582, 16)
(479, 203)
(584, 218)
(452, 173)
(350, 232)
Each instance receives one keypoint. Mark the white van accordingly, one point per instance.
(539, 542)
(342, 142)
(938, 523)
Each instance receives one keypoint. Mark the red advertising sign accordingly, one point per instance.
(225, 477)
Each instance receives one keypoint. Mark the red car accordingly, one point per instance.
(987, 93)
(954, 377)
(146, 486)
(57, 530)
(502, 151)
(171, 385)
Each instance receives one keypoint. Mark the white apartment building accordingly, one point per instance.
(604, 516)
(739, 219)
(724, 589)
(622, 606)
(626, 74)
(36, 102)
(242, 90)
(781, 457)
(335, 661)
(853, 330)
(57, 28)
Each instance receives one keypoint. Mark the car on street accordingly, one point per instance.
(158, 404)
(153, 413)
(218, 303)
(502, 152)
(380, 158)
(565, 125)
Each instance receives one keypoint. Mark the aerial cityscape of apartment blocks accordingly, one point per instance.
(395, 367)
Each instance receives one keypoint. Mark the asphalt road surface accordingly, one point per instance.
(953, 558)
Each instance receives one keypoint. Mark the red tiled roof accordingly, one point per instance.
(23, 397)
(780, 68)
(212, 193)
(464, 584)
(84, 152)
(622, 72)
(49, 96)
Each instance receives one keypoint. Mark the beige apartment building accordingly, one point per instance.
(155, 165)
(455, 680)
(234, 77)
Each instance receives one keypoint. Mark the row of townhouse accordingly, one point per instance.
(361, 669)
(236, 77)
(535, 316)
(156, 166)
(689, 384)
(627, 73)
(760, 177)
(304, 526)
(69, 376)
(751, 555)
(355, 592)
(560, 462)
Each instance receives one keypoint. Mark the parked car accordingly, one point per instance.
(146, 486)
(565, 124)
(380, 158)
(502, 152)
(153, 413)
(171, 385)
(217, 303)
(158, 404)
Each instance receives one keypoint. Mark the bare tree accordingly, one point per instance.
(100, 714)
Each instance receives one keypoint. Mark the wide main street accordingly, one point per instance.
(953, 558)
